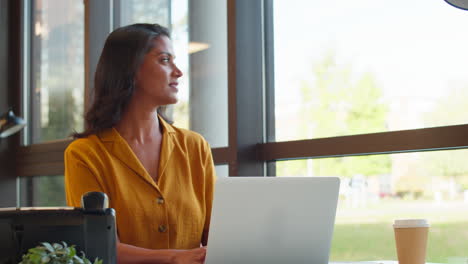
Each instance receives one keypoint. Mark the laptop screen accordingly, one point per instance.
(272, 220)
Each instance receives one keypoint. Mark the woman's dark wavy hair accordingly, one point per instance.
(114, 81)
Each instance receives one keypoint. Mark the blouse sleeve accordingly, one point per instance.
(79, 178)
(210, 176)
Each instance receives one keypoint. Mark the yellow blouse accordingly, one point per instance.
(172, 213)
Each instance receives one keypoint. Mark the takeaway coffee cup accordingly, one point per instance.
(411, 240)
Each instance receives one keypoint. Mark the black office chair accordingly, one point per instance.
(91, 228)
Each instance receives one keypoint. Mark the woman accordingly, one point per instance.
(159, 178)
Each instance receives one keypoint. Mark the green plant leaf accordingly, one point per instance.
(48, 246)
(36, 259)
(55, 253)
(77, 259)
(38, 251)
(57, 246)
(86, 261)
(62, 252)
(45, 259)
(72, 251)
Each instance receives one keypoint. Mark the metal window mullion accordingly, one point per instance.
(269, 73)
(26, 69)
(116, 13)
(249, 86)
(403, 141)
(232, 103)
(27, 75)
(100, 22)
(169, 15)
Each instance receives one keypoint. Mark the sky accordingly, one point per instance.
(412, 47)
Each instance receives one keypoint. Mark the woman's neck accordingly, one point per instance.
(139, 124)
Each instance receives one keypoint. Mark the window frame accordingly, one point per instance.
(252, 150)
(10, 95)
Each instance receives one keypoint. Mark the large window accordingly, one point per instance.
(57, 39)
(344, 69)
(57, 59)
(43, 191)
(55, 106)
(145, 11)
(369, 91)
(200, 46)
(377, 189)
(351, 68)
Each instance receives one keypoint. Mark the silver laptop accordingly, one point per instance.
(274, 220)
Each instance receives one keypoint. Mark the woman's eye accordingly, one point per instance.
(165, 59)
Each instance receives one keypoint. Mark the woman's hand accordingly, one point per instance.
(192, 256)
(128, 254)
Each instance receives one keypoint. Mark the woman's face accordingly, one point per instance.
(156, 79)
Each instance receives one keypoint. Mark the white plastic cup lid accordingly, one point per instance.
(409, 223)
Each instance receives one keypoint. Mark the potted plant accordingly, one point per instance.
(55, 254)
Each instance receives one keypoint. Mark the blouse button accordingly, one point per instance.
(160, 200)
(162, 228)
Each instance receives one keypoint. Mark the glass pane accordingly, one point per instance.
(208, 70)
(377, 189)
(201, 51)
(57, 68)
(222, 170)
(160, 12)
(145, 11)
(180, 40)
(42, 191)
(344, 68)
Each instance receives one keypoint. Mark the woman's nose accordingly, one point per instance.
(177, 72)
